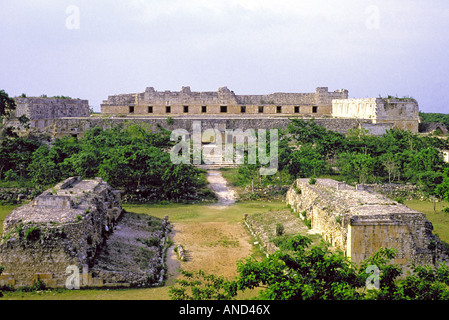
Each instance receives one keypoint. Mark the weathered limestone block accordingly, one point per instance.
(400, 113)
(66, 225)
(51, 108)
(360, 222)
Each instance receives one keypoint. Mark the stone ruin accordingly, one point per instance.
(68, 226)
(360, 222)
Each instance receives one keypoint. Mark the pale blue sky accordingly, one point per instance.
(371, 48)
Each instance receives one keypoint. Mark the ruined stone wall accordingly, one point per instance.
(401, 113)
(51, 108)
(77, 126)
(66, 225)
(359, 222)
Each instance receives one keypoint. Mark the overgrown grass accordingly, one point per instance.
(4, 211)
(205, 212)
(439, 219)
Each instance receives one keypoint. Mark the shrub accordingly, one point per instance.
(399, 199)
(297, 190)
(279, 229)
(32, 234)
(312, 180)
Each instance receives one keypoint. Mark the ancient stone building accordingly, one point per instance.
(223, 102)
(220, 110)
(43, 111)
(359, 222)
(64, 226)
(389, 112)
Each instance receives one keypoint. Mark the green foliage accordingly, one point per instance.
(435, 117)
(132, 158)
(169, 120)
(7, 104)
(312, 180)
(32, 233)
(279, 229)
(200, 286)
(297, 272)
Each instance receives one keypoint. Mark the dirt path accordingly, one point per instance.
(218, 184)
(214, 247)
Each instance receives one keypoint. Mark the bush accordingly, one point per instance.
(279, 229)
(169, 120)
(312, 180)
(32, 234)
(10, 175)
(400, 200)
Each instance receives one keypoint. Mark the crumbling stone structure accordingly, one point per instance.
(223, 102)
(389, 112)
(51, 108)
(359, 222)
(64, 226)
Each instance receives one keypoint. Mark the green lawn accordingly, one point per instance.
(439, 219)
(206, 212)
(4, 211)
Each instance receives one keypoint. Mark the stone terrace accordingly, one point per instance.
(359, 222)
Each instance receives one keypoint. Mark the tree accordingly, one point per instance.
(7, 104)
(390, 165)
(327, 142)
(356, 166)
(307, 162)
(442, 190)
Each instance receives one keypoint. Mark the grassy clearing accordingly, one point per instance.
(205, 212)
(439, 219)
(4, 211)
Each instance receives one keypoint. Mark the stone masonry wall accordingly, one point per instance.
(76, 126)
(154, 103)
(359, 222)
(401, 113)
(64, 226)
(51, 108)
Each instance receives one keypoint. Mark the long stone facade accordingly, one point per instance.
(359, 222)
(222, 102)
(220, 110)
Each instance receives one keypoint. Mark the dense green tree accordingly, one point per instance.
(307, 162)
(357, 166)
(7, 104)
